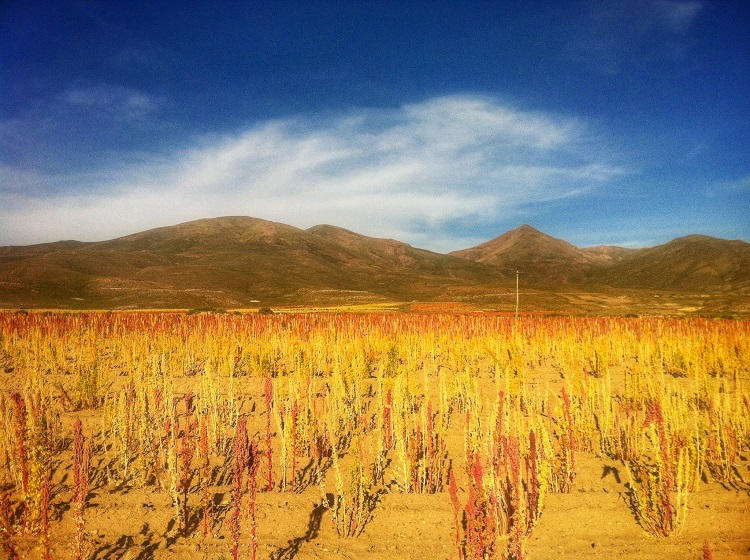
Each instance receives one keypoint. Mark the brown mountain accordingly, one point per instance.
(542, 259)
(696, 263)
(230, 262)
(239, 262)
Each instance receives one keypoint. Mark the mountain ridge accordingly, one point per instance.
(693, 263)
(237, 261)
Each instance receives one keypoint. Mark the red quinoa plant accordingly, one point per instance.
(6, 527)
(244, 479)
(81, 468)
(241, 457)
(19, 434)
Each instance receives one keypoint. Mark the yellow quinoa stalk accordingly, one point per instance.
(281, 414)
(38, 459)
(172, 429)
(353, 501)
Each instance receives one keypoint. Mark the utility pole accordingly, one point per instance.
(517, 294)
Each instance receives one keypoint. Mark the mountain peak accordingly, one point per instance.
(523, 239)
(525, 228)
(542, 258)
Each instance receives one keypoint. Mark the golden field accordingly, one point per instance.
(373, 435)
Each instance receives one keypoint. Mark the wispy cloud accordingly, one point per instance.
(677, 16)
(77, 127)
(404, 172)
(612, 33)
(740, 185)
(123, 102)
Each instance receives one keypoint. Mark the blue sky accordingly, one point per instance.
(442, 124)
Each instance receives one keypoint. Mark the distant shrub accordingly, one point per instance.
(198, 310)
(265, 311)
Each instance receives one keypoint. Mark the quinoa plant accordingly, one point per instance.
(6, 526)
(81, 469)
(241, 462)
(268, 390)
(187, 452)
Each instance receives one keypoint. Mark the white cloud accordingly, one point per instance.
(404, 173)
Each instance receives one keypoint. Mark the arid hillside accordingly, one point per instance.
(230, 262)
(240, 262)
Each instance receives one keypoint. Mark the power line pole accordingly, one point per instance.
(517, 294)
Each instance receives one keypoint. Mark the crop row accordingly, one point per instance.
(487, 410)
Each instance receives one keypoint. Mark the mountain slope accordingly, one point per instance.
(542, 259)
(228, 262)
(695, 263)
(240, 261)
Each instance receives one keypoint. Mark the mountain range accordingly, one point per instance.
(239, 262)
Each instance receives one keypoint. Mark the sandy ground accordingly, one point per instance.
(592, 521)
